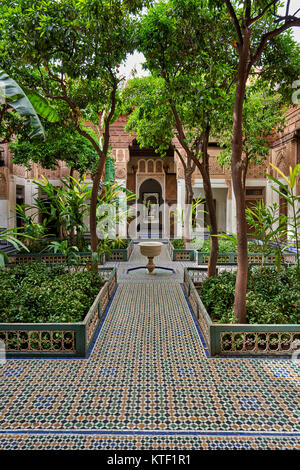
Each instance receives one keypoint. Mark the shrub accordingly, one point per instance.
(178, 243)
(271, 297)
(225, 246)
(39, 293)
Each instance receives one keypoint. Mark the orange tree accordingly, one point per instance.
(262, 47)
(192, 69)
(70, 52)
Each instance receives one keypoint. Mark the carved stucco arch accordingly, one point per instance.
(141, 178)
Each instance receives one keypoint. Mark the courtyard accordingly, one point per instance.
(149, 225)
(149, 383)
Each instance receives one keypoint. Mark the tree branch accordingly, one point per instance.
(179, 127)
(261, 14)
(235, 21)
(266, 37)
(181, 158)
(287, 8)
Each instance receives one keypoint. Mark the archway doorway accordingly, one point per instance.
(150, 199)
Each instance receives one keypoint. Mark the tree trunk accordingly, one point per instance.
(237, 182)
(204, 170)
(214, 242)
(93, 207)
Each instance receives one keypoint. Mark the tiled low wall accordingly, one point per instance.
(253, 258)
(59, 339)
(48, 258)
(239, 339)
(121, 254)
(182, 254)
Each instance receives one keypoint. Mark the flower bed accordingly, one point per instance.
(56, 339)
(200, 248)
(223, 339)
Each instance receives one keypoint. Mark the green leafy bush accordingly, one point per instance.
(272, 298)
(39, 293)
(178, 243)
(225, 246)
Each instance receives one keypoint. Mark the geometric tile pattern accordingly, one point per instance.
(144, 442)
(148, 384)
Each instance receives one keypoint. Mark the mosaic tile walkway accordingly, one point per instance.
(148, 384)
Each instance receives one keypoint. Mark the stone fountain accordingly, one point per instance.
(150, 250)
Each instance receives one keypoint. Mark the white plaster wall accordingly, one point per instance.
(220, 195)
(3, 213)
(180, 206)
(122, 229)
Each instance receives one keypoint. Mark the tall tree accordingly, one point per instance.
(177, 39)
(258, 29)
(264, 115)
(71, 52)
(151, 118)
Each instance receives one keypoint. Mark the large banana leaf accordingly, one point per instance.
(42, 107)
(17, 99)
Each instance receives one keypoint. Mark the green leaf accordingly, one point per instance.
(42, 107)
(17, 99)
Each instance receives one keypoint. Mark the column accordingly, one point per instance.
(229, 207)
(233, 214)
(122, 219)
(11, 202)
(180, 206)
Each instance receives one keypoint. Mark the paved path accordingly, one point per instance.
(149, 385)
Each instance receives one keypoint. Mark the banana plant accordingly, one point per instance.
(10, 235)
(31, 230)
(114, 195)
(14, 97)
(73, 203)
(288, 192)
(50, 207)
(269, 226)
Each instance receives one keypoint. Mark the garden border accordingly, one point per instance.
(122, 254)
(230, 259)
(180, 254)
(239, 339)
(75, 338)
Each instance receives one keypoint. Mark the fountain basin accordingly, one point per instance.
(150, 249)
